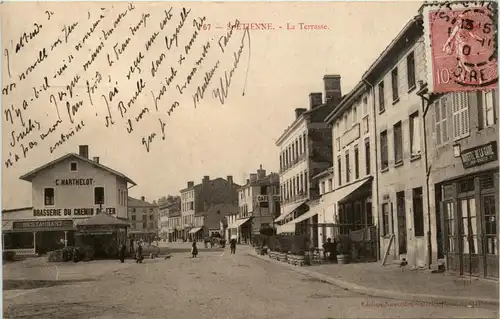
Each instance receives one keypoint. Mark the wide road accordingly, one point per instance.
(215, 285)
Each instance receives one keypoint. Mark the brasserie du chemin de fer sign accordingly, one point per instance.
(65, 192)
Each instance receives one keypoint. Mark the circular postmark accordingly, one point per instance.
(469, 39)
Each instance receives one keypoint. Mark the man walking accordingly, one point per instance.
(233, 246)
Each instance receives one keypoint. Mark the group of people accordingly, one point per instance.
(137, 253)
(194, 248)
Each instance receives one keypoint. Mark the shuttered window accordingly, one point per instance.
(441, 113)
(460, 108)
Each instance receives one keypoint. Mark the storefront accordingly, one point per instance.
(468, 209)
(241, 230)
(196, 233)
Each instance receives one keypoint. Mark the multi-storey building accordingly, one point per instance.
(305, 151)
(65, 192)
(169, 220)
(258, 202)
(461, 130)
(197, 199)
(143, 217)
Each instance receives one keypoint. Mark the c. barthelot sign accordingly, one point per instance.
(47, 212)
(479, 155)
(42, 224)
(74, 182)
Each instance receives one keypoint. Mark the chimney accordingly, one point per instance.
(229, 179)
(143, 198)
(298, 112)
(261, 173)
(315, 99)
(96, 159)
(333, 92)
(205, 179)
(84, 151)
(190, 184)
(253, 177)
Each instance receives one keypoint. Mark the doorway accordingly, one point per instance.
(401, 208)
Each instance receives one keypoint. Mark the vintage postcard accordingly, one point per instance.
(250, 160)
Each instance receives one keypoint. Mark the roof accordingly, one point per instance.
(201, 184)
(267, 180)
(103, 219)
(30, 175)
(134, 202)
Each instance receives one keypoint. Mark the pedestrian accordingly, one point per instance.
(123, 248)
(194, 250)
(138, 254)
(233, 246)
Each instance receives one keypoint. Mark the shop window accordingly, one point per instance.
(98, 195)
(491, 236)
(460, 108)
(367, 157)
(418, 212)
(415, 147)
(394, 79)
(48, 194)
(468, 229)
(449, 221)
(356, 163)
(440, 118)
(410, 70)
(385, 221)
(384, 152)
(398, 143)
(73, 166)
(381, 97)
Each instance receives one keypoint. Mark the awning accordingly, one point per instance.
(195, 230)
(342, 194)
(238, 223)
(309, 214)
(287, 228)
(289, 209)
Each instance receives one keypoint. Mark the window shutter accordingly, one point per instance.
(437, 107)
(444, 126)
(456, 114)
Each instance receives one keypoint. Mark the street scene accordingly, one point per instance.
(250, 160)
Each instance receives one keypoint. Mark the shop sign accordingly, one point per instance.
(51, 212)
(74, 182)
(42, 224)
(479, 155)
(265, 198)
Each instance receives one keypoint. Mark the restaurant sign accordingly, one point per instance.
(50, 212)
(47, 224)
(479, 155)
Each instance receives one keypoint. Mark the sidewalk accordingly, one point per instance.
(395, 282)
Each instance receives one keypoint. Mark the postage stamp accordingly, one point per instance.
(463, 49)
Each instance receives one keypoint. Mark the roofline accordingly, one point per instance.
(290, 129)
(28, 177)
(346, 101)
(11, 210)
(391, 45)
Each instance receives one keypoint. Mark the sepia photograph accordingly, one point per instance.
(250, 160)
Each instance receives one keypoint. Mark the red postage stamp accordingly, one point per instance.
(463, 50)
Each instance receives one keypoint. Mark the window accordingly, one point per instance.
(263, 190)
(487, 116)
(418, 212)
(367, 157)
(491, 235)
(410, 70)
(450, 226)
(99, 195)
(73, 166)
(301, 150)
(398, 143)
(415, 134)
(356, 162)
(365, 106)
(381, 97)
(48, 194)
(401, 213)
(384, 152)
(339, 166)
(305, 183)
(151, 217)
(460, 107)
(354, 115)
(385, 216)
(394, 78)
(468, 225)
(440, 114)
(330, 185)
(346, 122)
(347, 168)
(322, 190)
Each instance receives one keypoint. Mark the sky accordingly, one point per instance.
(275, 72)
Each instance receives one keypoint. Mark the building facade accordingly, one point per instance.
(144, 218)
(197, 199)
(65, 192)
(305, 151)
(169, 221)
(258, 205)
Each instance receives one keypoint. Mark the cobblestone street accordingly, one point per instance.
(215, 285)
